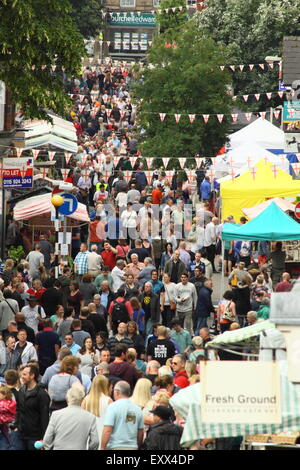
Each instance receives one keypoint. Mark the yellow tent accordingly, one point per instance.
(247, 191)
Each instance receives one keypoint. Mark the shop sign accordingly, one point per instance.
(128, 19)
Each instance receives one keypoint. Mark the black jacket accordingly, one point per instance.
(33, 412)
(30, 332)
(154, 306)
(204, 303)
(163, 436)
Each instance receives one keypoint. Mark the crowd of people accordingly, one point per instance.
(91, 358)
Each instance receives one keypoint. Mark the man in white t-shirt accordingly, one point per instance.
(121, 199)
(33, 313)
(118, 275)
(36, 260)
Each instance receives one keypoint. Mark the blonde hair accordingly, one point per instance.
(190, 368)
(9, 264)
(142, 392)
(91, 402)
(161, 398)
(6, 392)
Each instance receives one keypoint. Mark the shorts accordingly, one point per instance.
(229, 256)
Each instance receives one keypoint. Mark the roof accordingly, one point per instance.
(291, 59)
(262, 132)
(284, 205)
(242, 334)
(41, 205)
(271, 224)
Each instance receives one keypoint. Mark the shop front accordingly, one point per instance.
(130, 34)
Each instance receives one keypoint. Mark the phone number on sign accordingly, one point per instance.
(17, 181)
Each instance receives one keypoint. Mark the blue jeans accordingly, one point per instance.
(201, 323)
(149, 327)
(14, 442)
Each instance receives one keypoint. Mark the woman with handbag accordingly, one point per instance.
(168, 304)
(226, 312)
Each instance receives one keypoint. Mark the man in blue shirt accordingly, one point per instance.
(70, 343)
(157, 285)
(205, 189)
(123, 423)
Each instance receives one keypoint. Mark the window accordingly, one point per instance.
(156, 3)
(130, 41)
(127, 3)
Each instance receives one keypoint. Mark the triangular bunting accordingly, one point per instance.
(19, 151)
(165, 162)
(271, 65)
(173, 9)
(68, 156)
(298, 156)
(234, 117)
(192, 118)
(241, 67)
(251, 66)
(83, 159)
(149, 163)
(177, 117)
(262, 66)
(51, 155)
(65, 172)
(206, 117)
(132, 161)
(296, 168)
(276, 113)
(162, 116)
(257, 96)
(198, 161)
(222, 67)
(280, 94)
(35, 153)
(116, 161)
(253, 172)
(182, 162)
(248, 116)
(220, 117)
(269, 95)
(180, 8)
(149, 177)
(263, 114)
(245, 97)
(232, 67)
(108, 112)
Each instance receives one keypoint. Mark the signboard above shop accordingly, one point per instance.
(128, 19)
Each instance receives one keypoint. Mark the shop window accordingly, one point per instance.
(127, 3)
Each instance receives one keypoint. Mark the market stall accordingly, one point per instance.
(262, 132)
(254, 187)
(284, 205)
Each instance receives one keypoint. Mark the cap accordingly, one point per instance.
(162, 412)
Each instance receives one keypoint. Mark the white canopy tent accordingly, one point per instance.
(262, 132)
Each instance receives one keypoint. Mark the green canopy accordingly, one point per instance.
(241, 334)
(271, 224)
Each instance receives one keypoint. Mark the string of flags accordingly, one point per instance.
(219, 117)
(258, 96)
(36, 152)
(158, 11)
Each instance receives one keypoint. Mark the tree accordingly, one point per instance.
(168, 23)
(88, 16)
(184, 79)
(34, 36)
(252, 30)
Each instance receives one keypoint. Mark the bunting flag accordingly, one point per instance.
(83, 159)
(81, 108)
(68, 155)
(149, 162)
(248, 116)
(262, 66)
(132, 161)
(296, 168)
(253, 172)
(177, 118)
(241, 67)
(35, 153)
(269, 95)
(190, 176)
(257, 96)
(51, 155)
(234, 117)
(192, 118)
(211, 175)
(280, 93)
(149, 176)
(198, 161)
(220, 118)
(19, 151)
(166, 162)
(263, 114)
(108, 112)
(232, 173)
(53, 68)
(271, 65)
(251, 66)
(65, 172)
(276, 113)
(298, 156)
(274, 170)
(205, 117)
(81, 97)
(23, 171)
(245, 97)
(232, 67)
(85, 174)
(116, 161)
(222, 67)
(182, 162)
(122, 113)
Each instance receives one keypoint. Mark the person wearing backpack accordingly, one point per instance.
(120, 311)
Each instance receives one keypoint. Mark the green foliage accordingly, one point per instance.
(38, 33)
(16, 253)
(185, 79)
(169, 22)
(252, 30)
(88, 17)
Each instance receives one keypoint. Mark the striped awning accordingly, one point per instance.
(187, 404)
(242, 334)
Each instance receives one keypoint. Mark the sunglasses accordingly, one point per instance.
(174, 363)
